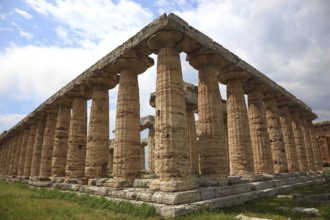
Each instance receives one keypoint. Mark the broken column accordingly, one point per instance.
(98, 133)
(61, 137)
(127, 160)
(239, 140)
(171, 148)
(262, 156)
(213, 156)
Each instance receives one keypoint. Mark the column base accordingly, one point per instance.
(173, 185)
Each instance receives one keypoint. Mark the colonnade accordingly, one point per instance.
(269, 134)
(322, 133)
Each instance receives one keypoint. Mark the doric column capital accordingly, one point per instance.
(204, 57)
(132, 60)
(64, 101)
(80, 91)
(166, 38)
(232, 72)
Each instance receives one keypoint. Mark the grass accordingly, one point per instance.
(19, 201)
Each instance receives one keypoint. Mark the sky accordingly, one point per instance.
(46, 44)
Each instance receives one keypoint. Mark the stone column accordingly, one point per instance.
(262, 155)
(322, 142)
(20, 169)
(8, 154)
(13, 153)
(300, 145)
(151, 146)
(308, 144)
(75, 164)
(143, 156)
(61, 137)
(275, 135)
(37, 148)
(288, 138)
(192, 140)
(98, 133)
(212, 143)
(316, 147)
(29, 149)
(110, 163)
(239, 140)
(48, 143)
(2, 152)
(171, 148)
(18, 151)
(127, 159)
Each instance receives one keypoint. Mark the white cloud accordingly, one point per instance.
(9, 120)
(26, 35)
(23, 13)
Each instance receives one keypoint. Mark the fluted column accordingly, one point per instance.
(324, 149)
(288, 138)
(275, 135)
(12, 154)
(316, 147)
(299, 141)
(18, 151)
(171, 150)
(37, 147)
(239, 140)
(192, 141)
(20, 169)
(75, 164)
(262, 156)
(143, 156)
(98, 132)
(151, 146)
(308, 144)
(213, 154)
(127, 149)
(48, 143)
(2, 152)
(61, 138)
(8, 154)
(29, 149)
(110, 163)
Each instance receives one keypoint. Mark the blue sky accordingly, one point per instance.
(45, 44)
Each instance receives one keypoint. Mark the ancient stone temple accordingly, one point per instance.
(235, 152)
(322, 134)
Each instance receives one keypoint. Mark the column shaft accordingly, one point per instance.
(20, 170)
(316, 147)
(300, 145)
(172, 153)
(37, 148)
(308, 144)
(48, 144)
(110, 163)
(151, 146)
(75, 164)
(98, 134)
(127, 159)
(18, 151)
(276, 136)
(288, 138)
(262, 155)
(29, 150)
(143, 160)
(10, 147)
(192, 142)
(322, 141)
(239, 141)
(61, 141)
(212, 143)
(12, 155)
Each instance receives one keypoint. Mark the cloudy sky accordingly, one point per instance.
(45, 44)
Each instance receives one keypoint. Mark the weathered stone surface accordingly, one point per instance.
(12, 154)
(288, 138)
(307, 212)
(61, 140)
(300, 145)
(37, 148)
(48, 143)
(151, 147)
(171, 148)
(262, 155)
(18, 152)
(213, 154)
(20, 170)
(29, 150)
(316, 147)
(98, 134)
(192, 141)
(275, 136)
(308, 144)
(75, 164)
(239, 141)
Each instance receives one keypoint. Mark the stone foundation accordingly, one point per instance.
(233, 191)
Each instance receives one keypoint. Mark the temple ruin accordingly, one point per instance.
(236, 152)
